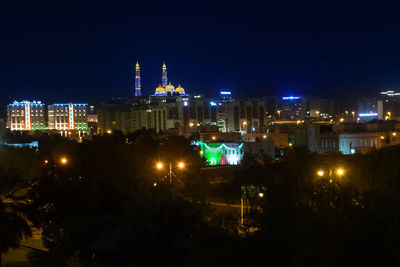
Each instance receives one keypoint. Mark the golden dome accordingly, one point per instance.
(180, 90)
(170, 88)
(159, 90)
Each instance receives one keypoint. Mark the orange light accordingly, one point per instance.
(213, 138)
(340, 172)
(320, 173)
(181, 165)
(46, 161)
(159, 165)
(64, 161)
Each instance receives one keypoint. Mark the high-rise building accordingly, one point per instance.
(26, 116)
(138, 86)
(68, 117)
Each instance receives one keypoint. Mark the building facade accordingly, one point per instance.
(68, 117)
(26, 116)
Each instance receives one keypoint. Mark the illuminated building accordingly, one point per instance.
(138, 85)
(26, 116)
(167, 89)
(232, 153)
(222, 154)
(389, 104)
(68, 117)
(349, 140)
(291, 107)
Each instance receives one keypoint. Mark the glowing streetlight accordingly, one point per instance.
(181, 165)
(340, 172)
(46, 161)
(261, 194)
(63, 160)
(320, 173)
(213, 138)
(191, 124)
(382, 137)
(290, 144)
(341, 120)
(265, 136)
(394, 134)
(159, 165)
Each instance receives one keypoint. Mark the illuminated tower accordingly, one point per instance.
(138, 86)
(164, 75)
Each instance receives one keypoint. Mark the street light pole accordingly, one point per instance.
(170, 172)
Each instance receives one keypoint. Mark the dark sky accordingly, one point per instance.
(86, 50)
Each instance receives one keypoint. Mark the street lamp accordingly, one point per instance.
(339, 173)
(160, 166)
(181, 165)
(63, 160)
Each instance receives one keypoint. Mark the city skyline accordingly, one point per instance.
(89, 51)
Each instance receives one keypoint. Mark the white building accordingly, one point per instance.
(26, 116)
(68, 117)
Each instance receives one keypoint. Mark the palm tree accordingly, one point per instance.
(13, 224)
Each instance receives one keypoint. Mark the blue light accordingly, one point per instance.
(291, 97)
(225, 93)
(368, 114)
(213, 104)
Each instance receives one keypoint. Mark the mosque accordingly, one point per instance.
(164, 89)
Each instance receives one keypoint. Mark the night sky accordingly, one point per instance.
(86, 50)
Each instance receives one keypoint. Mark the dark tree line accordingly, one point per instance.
(108, 205)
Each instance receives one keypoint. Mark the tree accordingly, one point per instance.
(13, 223)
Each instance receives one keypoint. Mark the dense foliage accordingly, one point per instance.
(108, 205)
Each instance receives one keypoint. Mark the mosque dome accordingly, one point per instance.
(160, 90)
(180, 90)
(170, 88)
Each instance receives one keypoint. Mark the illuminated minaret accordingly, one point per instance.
(164, 75)
(138, 86)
